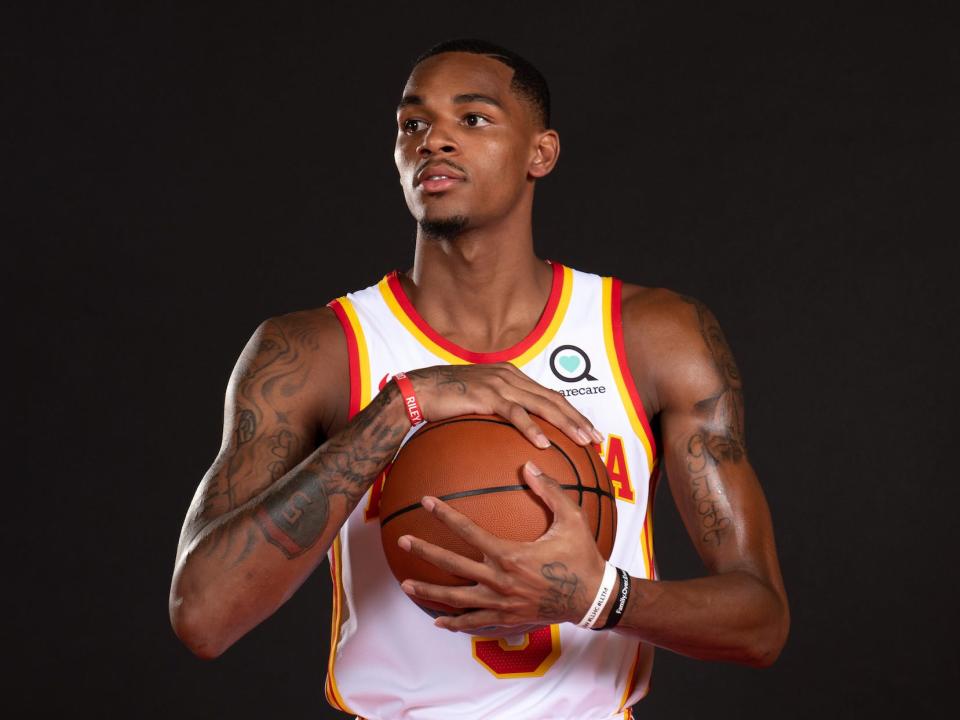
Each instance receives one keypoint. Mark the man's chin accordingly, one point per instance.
(448, 227)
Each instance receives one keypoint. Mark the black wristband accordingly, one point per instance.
(620, 602)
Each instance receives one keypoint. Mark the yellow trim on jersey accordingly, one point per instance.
(554, 325)
(405, 320)
(635, 422)
(363, 361)
(332, 689)
(443, 353)
(646, 536)
(364, 358)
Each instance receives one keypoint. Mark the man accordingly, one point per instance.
(481, 325)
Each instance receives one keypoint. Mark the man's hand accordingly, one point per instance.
(499, 389)
(519, 584)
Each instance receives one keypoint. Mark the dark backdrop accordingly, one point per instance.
(176, 173)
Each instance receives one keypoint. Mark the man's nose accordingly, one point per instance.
(437, 139)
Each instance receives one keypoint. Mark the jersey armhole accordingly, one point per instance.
(639, 413)
(356, 353)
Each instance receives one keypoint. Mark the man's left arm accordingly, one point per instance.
(739, 611)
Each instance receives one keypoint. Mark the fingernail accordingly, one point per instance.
(533, 469)
(407, 587)
(429, 503)
(584, 438)
(541, 441)
(596, 435)
(404, 542)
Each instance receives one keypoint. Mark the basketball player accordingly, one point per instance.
(482, 325)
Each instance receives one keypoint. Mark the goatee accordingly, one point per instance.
(445, 229)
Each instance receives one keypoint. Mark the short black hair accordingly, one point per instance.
(528, 82)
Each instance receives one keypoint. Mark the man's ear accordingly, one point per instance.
(546, 152)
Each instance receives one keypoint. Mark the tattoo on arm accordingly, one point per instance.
(720, 438)
(705, 497)
(252, 476)
(446, 377)
(563, 594)
(294, 513)
(723, 411)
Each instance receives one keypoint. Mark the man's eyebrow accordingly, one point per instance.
(409, 100)
(458, 99)
(477, 97)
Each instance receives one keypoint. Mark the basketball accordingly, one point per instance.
(474, 463)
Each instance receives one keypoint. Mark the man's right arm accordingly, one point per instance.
(270, 506)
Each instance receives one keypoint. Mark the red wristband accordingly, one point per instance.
(409, 398)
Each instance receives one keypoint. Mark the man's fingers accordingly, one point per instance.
(552, 406)
(463, 526)
(444, 559)
(460, 596)
(490, 620)
(519, 401)
(522, 421)
(548, 490)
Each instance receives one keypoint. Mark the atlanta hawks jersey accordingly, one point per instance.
(387, 660)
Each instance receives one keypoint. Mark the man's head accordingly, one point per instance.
(473, 135)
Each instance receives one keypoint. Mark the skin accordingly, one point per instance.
(267, 510)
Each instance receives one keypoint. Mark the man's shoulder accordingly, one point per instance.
(313, 330)
(309, 349)
(664, 337)
(655, 311)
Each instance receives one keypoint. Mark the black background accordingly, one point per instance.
(176, 173)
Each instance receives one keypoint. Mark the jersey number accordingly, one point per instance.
(532, 657)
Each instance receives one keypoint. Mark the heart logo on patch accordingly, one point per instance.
(569, 362)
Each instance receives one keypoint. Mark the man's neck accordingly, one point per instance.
(484, 291)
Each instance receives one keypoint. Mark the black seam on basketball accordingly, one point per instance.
(576, 474)
(454, 421)
(596, 480)
(486, 491)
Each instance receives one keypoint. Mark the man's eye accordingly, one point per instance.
(474, 120)
(412, 125)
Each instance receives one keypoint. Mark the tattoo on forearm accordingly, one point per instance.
(565, 589)
(295, 512)
(291, 512)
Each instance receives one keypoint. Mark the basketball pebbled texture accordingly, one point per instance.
(475, 464)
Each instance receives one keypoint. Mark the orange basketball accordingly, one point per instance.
(474, 463)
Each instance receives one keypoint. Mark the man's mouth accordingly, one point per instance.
(438, 177)
(438, 183)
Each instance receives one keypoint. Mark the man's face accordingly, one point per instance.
(464, 139)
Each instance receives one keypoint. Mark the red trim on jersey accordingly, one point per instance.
(353, 353)
(648, 520)
(476, 357)
(617, 322)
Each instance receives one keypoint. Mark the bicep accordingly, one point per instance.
(711, 479)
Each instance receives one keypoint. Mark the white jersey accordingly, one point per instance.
(387, 660)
